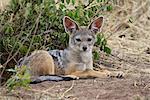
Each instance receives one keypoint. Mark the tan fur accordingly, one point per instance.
(41, 63)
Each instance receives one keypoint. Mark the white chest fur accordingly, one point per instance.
(86, 56)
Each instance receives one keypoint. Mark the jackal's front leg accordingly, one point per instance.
(78, 70)
(88, 73)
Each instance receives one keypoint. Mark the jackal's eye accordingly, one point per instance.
(89, 39)
(78, 40)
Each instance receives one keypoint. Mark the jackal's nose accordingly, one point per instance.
(84, 48)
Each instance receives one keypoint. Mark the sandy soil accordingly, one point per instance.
(128, 32)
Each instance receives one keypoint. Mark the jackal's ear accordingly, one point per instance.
(70, 25)
(96, 24)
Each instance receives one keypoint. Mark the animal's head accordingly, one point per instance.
(82, 39)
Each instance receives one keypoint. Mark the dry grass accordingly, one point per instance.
(3, 4)
(130, 19)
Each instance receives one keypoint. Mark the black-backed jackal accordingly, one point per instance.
(72, 63)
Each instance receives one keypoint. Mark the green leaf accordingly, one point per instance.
(10, 83)
(68, 1)
(98, 1)
(76, 15)
(70, 13)
(109, 8)
(20, 79)
(23, 49)
(96, 55)
(73, 2)
(107, 50)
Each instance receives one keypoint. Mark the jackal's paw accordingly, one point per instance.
(72, 76)
(117, 74)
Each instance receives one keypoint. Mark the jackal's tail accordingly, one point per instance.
(51, 78)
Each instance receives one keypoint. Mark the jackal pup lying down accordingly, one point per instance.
(72, 63)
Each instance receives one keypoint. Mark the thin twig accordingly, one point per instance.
(10, 54)
(62, 96)
(35, 30)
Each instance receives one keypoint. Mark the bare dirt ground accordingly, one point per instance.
(128, 32)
